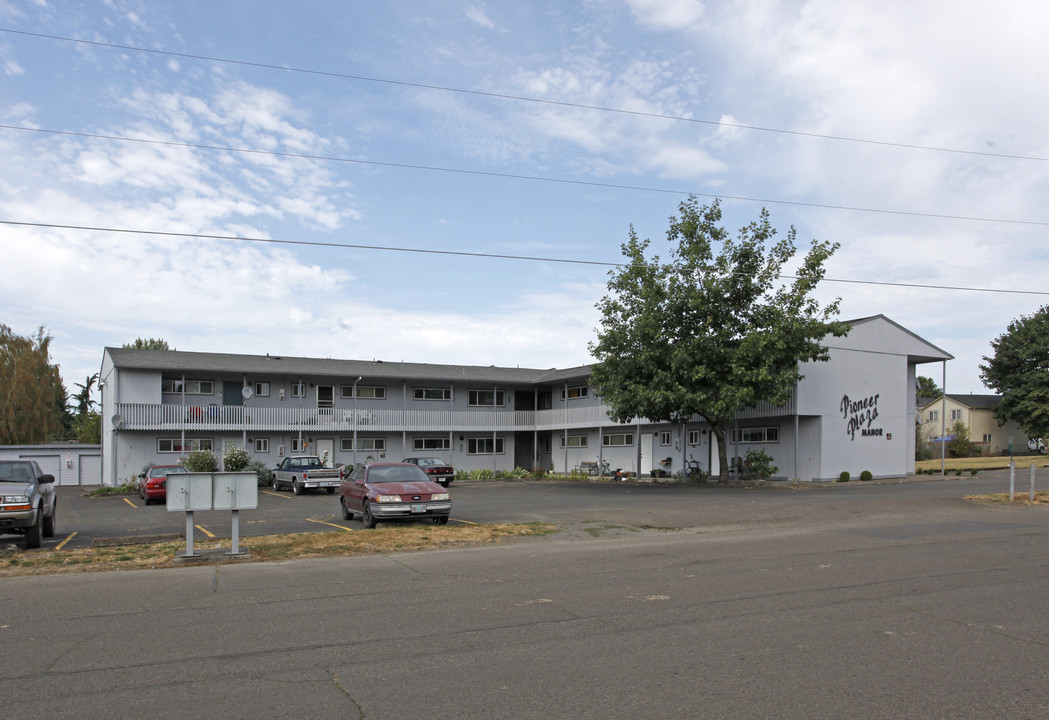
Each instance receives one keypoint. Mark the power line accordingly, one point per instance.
(515, 176)
(522, 98)
(460, 253)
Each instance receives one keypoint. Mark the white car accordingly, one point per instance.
(1036, 445)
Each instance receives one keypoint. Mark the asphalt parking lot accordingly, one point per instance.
(85, 521)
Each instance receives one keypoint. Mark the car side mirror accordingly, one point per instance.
(47, 478)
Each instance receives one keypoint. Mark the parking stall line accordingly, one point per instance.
(203, 530)
(321, 522)
(130, 503)
(63, 543)
(466, 522)
(277, 494)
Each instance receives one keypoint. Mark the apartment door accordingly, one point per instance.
(327, 445)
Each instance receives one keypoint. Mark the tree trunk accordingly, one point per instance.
(719, 435)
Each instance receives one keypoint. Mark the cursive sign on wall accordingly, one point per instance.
(859, 415)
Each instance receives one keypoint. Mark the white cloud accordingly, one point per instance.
(12, 68)
(480, 17)
(667, 14)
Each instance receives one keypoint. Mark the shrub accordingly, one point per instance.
(866, 475)
(974, 472)
(235, 459)
(264, 472)
(758, 465)
(844, 477)
(200, 461)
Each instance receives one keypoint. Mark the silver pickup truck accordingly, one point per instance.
(306, 472)
(27, 501)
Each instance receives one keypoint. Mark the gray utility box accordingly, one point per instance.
(189, 491)
(235, 491)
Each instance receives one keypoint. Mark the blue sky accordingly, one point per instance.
(946, 168)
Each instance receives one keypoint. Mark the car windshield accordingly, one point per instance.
(396, 474)
(16, 472)
(431, 461)
(165, 471)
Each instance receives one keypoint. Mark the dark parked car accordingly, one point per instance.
(153, 484)
(379, 492)
(437, 469)
(27, 501)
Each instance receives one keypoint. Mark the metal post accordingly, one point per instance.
(1031, 496)
(189, 534)
(943, 424)
(236, 533)
(1012, 480)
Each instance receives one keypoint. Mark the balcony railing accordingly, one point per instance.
(138, 416)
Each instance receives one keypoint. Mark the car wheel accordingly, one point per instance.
(49, 523)
(367, 518)
(276, 483)
(442, 520)
(296, 488)
(32, 533)
(346, 514)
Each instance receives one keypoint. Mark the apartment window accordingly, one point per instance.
(298, 389)
(262, 389)
(934, 415)
(956, 414)
(325, 396)
(664, 438)
(618, 440)
(756, 435)
(487, 398)
(485, 446)
(262, 445)
(573, 441)
(693, 437)
(987, 437)
(431, 443)
(427, 393)
(371, 392)
(363, 443)
(192, 387)
(575, 393)
(297, 445)
(174, 445)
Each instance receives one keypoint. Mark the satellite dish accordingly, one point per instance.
(118, 421)
(247, 392)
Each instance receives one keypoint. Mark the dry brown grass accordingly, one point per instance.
(389, 539)
(984, 463)
(1019, 498)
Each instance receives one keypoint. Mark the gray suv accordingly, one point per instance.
(27, 501)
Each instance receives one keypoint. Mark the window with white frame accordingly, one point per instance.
(433, 393)
(262, 445)
(664, 438)
(487, 398)
(192, 387)
(617, 440)
(371, 392)
(987, 437)
(421, 444)
(484, 446)
(573, 441)
(756, 435)
(934, 415)
(174, 445)
(363, 443)
(956, 414)
(262, 389)
(575, 393)
(298, 389)
(693, 437)
(297, 444)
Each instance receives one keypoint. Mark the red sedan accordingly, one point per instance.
(438, 470)
(153, 485)
(380, 492)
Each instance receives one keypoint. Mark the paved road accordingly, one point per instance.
(866, 602)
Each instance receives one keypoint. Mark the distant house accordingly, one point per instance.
(976, 413)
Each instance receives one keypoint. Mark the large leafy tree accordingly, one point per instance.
(148, 344)
(714, 330)
(1019, 372)
(86, 425)
(927, 388)
(32, 397)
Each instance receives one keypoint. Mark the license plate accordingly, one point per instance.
(418, 508)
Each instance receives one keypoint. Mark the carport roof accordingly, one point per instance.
(195, 362)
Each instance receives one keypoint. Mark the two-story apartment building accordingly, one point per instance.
(976, 413)
(855, 412)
